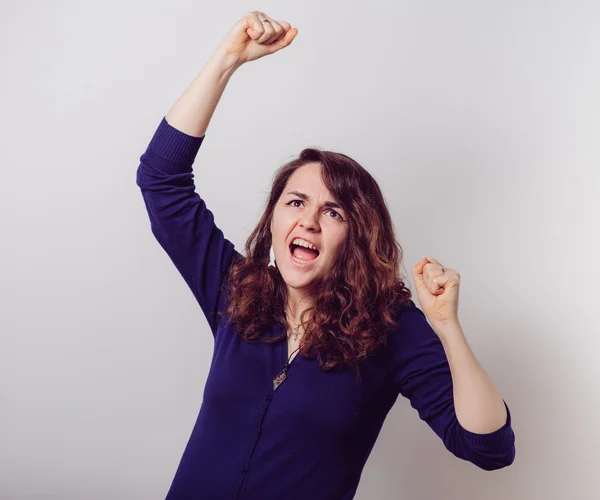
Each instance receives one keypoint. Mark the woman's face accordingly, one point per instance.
(315, 218)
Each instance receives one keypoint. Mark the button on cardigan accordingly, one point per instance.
(310, 438)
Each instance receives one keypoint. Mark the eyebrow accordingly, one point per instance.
(328, 204)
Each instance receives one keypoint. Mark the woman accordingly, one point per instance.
(315, 335)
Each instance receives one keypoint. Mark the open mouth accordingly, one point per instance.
(303, 256)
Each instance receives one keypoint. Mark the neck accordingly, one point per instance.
(296, 305)
(294, 317)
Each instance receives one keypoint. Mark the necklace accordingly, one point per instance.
(296, 331)
(279, 379)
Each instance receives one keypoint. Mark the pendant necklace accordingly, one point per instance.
(296, 332)
(280, 378)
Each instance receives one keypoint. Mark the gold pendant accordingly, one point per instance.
(278, 380)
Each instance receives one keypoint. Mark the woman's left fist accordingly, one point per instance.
(437, 289)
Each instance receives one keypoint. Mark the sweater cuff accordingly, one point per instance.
(175, 146)
(504, 436)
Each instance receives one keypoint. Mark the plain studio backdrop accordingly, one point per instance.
(480, 121)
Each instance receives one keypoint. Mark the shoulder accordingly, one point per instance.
(413, 331)
(407, 315)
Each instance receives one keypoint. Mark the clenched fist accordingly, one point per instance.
(256, 35)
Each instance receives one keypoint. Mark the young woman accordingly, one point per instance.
(315, 333)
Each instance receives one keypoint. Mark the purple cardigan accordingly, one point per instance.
(310, 438)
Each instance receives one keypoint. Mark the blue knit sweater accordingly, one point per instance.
(310, 438)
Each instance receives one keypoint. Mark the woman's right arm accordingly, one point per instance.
(193, 111)
(248, 40)
(179, 218)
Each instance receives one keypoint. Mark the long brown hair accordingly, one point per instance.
(352, 310)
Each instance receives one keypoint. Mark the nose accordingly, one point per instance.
(309, 221)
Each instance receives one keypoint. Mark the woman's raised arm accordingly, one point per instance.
(249, 39)
(179, 217)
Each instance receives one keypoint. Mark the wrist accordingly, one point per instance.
(448, 329)
(225, 62)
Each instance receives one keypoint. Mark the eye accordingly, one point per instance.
(339, 217)
(336, 216)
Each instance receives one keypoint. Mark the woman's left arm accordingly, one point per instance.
(479, 407)
(445, 398)
(435, 368)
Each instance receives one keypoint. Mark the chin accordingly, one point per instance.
(294, 279)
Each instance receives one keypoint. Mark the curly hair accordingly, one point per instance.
(353, 308)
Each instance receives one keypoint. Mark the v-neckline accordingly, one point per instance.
(287, 351)
(293, 354)
(287, 363)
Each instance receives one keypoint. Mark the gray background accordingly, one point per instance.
(479, 119)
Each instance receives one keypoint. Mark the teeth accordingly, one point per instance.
(301, 261)
(303, 243)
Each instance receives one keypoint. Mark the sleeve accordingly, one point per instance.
(179, 218)
(422, 375)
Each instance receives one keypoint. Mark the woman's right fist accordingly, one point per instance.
(251, 38)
